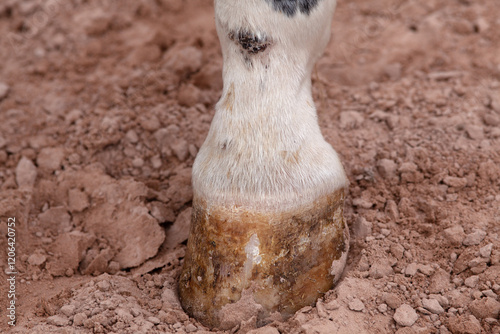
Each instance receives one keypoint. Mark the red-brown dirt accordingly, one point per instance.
(104, 104)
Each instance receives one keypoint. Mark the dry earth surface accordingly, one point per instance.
(104, 104)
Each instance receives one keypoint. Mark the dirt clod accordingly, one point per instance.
(26, 173)
(432, 305)
(405, 315)
(485, 308)
(50, 158)
(464, 325)
(474, 238)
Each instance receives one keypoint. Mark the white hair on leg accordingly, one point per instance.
(264, 148)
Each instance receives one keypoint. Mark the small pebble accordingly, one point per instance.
(108, 304)
(425, 269)
(77, 200)
(74, 159)
(350, 119)
(387, 168)
(322, 313)
(132, 136)
(472, 281)
(385, 232)
(455, 235)
(36, 259)
(333, 305)
(193, 151)
(405, 315)
(154, 320)
(156, 161)
(138, 162)
(58, 320)
(68, 310)
(190, 328)
(407, 254)
(474, 238)
(103, 285)
(113, 267)
(170, 298)
(150, 123)
(489, 293)
(364, 264)
(188, 95)
(69, 272)
(476, 294)
(392, 300)
(135, 312)
(443, 301)
(180, 149)
(423, 311)
(4, 90)
(362, 228)
(50, 158)
(356, 305)
(362, 203)
(73, 116)
(26, 173)
(477, 262)
(456, 182)
(453, 257)
(382, 308)
(411, 269)
(397, 250)
(381, 269)
(79, 318)
(486, 251)
(124, 314)
(391, 210)
(458, 281)
(432, 305)
(474, 131)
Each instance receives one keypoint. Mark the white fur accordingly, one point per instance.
(275, 157)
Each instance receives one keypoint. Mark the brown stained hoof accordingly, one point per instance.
(242, 263)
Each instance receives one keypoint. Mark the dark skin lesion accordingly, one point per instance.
(249, 42)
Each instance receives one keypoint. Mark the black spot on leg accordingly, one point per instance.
(249, 42)
(306, 6)
(290, 7)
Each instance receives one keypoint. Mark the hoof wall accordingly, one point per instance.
(241, 263)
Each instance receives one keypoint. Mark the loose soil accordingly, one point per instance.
(104, 104)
